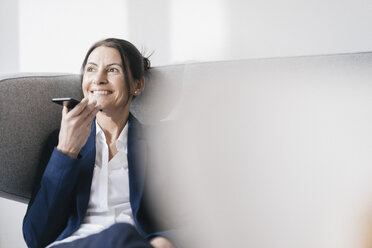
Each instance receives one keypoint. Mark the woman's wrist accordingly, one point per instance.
(70, 153)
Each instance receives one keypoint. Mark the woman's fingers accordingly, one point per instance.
(91, 111)
(75, 126)
(88, 109)
(78, 109)
(64, 110)
(84, 110)
(88, 120)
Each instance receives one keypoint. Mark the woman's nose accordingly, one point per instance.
(100, 78)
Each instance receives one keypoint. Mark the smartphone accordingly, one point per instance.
(71, 101)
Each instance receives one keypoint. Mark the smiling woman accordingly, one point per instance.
(104, 79)
(91, 190)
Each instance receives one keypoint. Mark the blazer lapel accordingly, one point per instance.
(137, 161)
(86, 163)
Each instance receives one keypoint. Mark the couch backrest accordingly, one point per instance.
(268, 95)
(277, 151)
(28, 116)
(275, 147)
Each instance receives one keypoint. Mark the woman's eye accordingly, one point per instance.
(90, 69)
(113, 70)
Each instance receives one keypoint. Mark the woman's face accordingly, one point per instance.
(104, 79)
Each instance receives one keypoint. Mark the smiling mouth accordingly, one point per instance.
(101, 92)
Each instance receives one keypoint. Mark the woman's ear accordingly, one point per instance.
(139, 86)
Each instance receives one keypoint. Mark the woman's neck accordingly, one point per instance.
(112, 125)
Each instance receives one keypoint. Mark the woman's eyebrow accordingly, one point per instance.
(108, 65)
(118, 64)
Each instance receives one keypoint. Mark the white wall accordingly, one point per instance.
(205, 30)
(53, 36)
(11, 216)
(9, 36)
(297, 27)
(11, 213)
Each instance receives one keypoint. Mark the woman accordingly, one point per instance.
(91, 190)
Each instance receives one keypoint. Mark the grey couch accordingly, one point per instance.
(27, 117)
(278, 149)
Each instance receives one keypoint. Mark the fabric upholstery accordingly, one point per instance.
(28, 116)
(262, 89)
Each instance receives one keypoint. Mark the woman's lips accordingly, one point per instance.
(101, 92)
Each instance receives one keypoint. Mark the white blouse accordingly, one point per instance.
(109, 196)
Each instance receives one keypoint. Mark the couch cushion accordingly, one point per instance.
(27, 116)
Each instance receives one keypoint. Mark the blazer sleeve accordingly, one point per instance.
(52, 198)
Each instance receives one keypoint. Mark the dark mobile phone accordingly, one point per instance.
(71, 101)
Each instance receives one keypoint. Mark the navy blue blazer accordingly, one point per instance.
(62, 191)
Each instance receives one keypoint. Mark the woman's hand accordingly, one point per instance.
(75, 127)
(161, 242)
